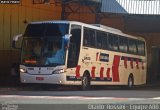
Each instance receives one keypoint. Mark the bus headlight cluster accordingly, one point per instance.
(58, 71)
(23, 70)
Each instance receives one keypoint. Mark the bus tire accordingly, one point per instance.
(130, 82)
(86, 82)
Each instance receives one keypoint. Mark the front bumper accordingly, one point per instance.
(44, 79)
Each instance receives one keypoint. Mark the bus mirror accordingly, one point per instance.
(66, 40)
(15, 39)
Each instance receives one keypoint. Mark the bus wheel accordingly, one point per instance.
(85, 82)
(130, 82)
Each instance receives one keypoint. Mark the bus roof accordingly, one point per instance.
(53, 21)
(108, 28)
(98, 26)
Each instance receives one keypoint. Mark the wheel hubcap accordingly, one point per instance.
(84, 81)
(130, 82)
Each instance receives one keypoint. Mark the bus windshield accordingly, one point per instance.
(43, 45)
(47, 29)
(40, 52)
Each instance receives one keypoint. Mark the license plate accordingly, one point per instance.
(40, 78)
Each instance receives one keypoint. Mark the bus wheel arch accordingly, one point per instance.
(130, 82)
(86, 82)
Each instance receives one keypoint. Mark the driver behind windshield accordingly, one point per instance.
(55, 55)
(37, 49)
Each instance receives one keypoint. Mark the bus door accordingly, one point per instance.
(74, 47)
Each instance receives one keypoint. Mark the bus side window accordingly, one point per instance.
(123, 44)
(101, 39)
(89, 37)
(132, 46)
(92, 38)
(113, 42)
(141, 48)
(104, 41)
(110, 40)
(86, 38)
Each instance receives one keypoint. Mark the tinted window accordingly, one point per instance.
(74, 46)
(35, 30)
(141, 48)
(56, 29)
(113, 42)
(102, 40)
(89, 37)
(40, 52)
(123, 44)
(132, 46)
(47, 29)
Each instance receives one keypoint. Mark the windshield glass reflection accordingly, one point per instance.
(48, 52)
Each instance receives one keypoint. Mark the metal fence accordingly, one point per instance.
(150, 7)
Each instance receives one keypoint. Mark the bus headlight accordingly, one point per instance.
(22, 70)
(58, 71)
